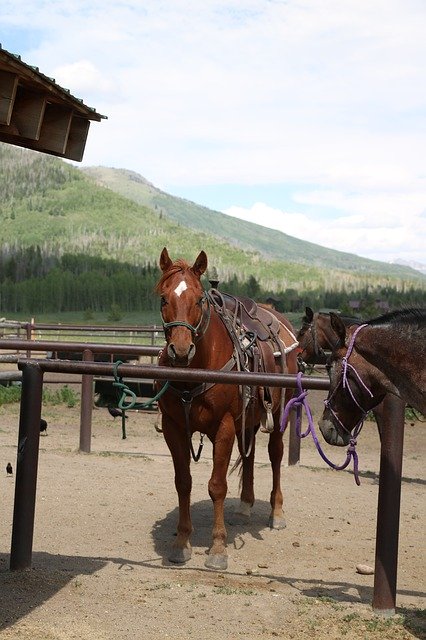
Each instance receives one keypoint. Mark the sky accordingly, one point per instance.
(306, 116)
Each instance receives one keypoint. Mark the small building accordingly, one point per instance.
(355, 305)
(38, 114)
(383, 305)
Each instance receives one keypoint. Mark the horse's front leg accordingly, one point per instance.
(177, 441)
(275, 451)
(218, 486)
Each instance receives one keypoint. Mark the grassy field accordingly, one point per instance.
(79, 317)
(134, 319)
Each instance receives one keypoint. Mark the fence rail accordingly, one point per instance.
(386, 559)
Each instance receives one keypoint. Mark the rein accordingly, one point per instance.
(346, 367)
(300, 401)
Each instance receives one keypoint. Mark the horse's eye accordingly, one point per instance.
(200, 301)
(163, 301)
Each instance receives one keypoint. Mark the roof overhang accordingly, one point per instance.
(38, 114)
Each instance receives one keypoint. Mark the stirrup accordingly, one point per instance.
(267, 421)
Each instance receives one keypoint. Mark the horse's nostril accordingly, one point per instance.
(171, 351)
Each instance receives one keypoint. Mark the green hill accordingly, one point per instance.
(269, 243)
(118, 215)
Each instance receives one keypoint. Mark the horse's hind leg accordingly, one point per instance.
(243, 511)
(276, 450)
(177, 442)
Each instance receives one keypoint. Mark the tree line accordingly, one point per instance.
(32, 281)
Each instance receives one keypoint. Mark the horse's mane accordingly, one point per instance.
(178, 265)
(346, 319)
(413, 316)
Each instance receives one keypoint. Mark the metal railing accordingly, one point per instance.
(387, 532)
(62, 333)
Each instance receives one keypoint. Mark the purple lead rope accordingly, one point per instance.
(300, 401)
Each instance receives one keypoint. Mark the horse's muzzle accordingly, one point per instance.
(180, 358)
(332, 435)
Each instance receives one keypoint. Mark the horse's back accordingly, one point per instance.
(287, 336)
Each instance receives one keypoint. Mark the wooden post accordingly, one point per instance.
(86, 406)
(387, 534)
(26, 467)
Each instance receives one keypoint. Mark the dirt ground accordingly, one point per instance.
(105, 521)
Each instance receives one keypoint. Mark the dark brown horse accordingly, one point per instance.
(317, 338)
(384, 355)
(210, 330)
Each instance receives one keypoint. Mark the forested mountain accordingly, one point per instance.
(269, 243)
(62, 233)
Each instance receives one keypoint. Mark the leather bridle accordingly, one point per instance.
(200, 328)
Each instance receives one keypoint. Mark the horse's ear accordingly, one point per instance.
(165, 262)
(309, 314)
(200, 265)
(339, 329)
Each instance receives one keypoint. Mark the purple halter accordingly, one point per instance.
(345, 384)
(300, 401)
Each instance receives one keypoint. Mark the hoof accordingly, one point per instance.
(180, 556)
(277, 523)
(217, 561)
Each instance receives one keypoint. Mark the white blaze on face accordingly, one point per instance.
(182, 286)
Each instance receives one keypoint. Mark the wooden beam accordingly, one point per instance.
(8, 86)
(54, 130)
(77, 138)
(28, 113)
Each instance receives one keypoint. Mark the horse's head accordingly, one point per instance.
(184, 308)
(310, 338)
(353, 387)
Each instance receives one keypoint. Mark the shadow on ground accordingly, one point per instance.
(23, 591)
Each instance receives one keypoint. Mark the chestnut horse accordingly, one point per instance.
(316, 339)
(384, 355)
(200, 333)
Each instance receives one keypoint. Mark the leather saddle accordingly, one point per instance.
(255, 333)
(246, 314)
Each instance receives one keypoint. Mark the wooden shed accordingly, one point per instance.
(38, 114)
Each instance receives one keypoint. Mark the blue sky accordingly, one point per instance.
(306, 116)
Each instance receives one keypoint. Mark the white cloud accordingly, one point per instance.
(380, 239)
(83, 76)
(328, 97)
